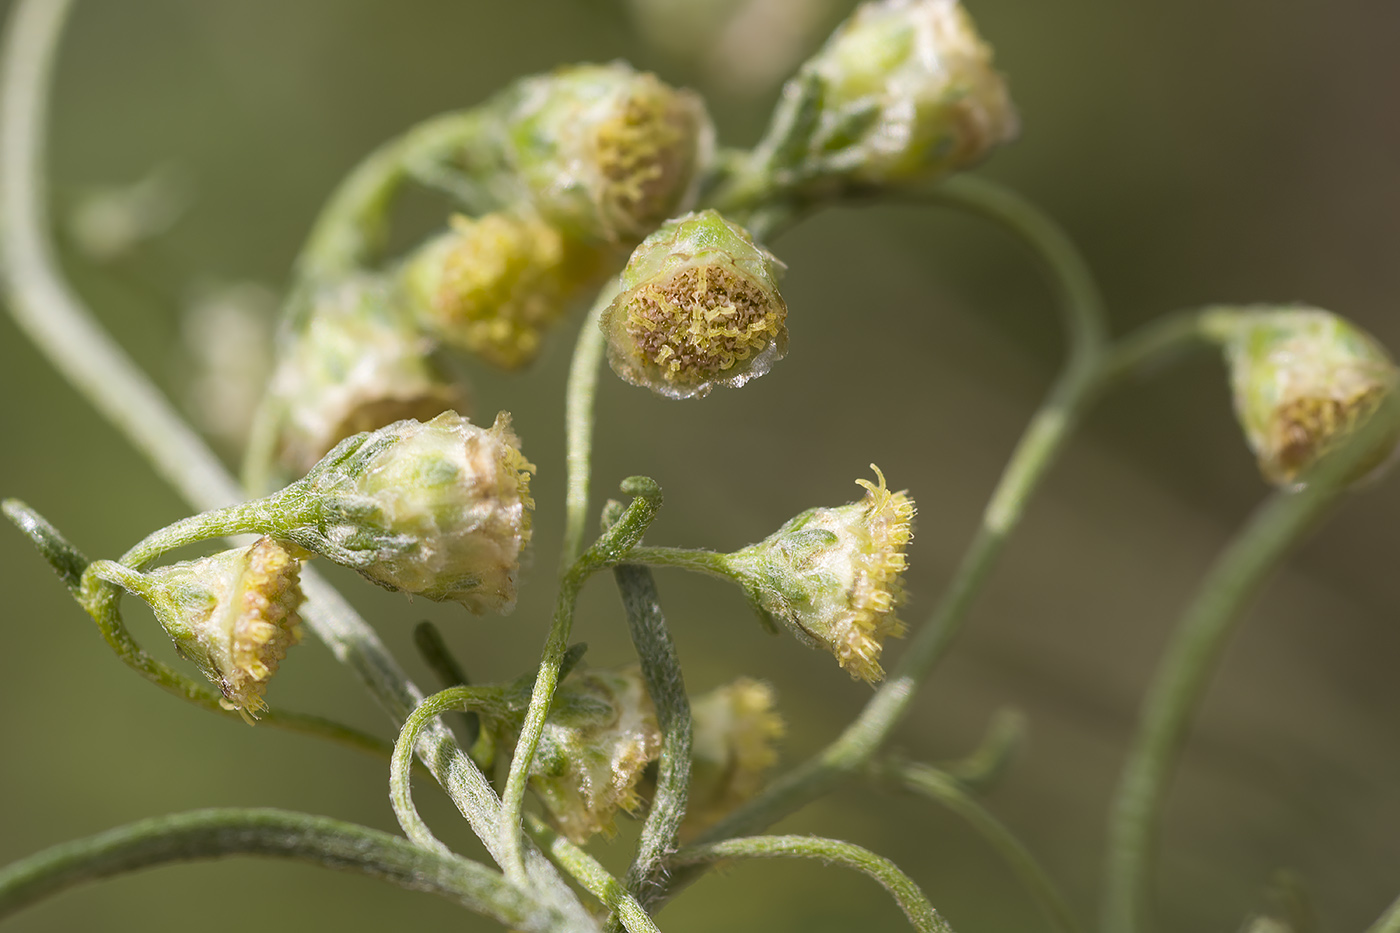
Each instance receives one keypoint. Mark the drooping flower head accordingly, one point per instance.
(1303, 380)
(736, 731)
(699, 307)
(440, 509)
(357, 364)
(598, 739)
(606, 152)
(234, 614)
(494, 285)
(907, 93)
(832, 576)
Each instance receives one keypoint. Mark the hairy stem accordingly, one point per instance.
(905, 892)
(941, 787)
(48, 312)
(316, 840)
(579, 414)
(595, 879)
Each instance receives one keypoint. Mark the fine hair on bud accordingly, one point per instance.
(833, 576)
(439, 509)
(1303, 380)
(907, 93)
(357, 364)
(606, 152)
(234, 614)
(699, 307)
(494, 285)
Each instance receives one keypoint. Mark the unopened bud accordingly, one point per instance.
(234, 614)
(736, 732)
(699, 307)
(598, 739)
(440, 509)
(832, 576)
(357, 365)
(1303, 380)
(908, 93)
(607, 152)
(492, 286)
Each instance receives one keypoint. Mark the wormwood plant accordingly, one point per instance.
(599, 182)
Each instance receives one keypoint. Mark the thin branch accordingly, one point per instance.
(596, 880)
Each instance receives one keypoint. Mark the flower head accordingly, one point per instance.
(832, 576)
(1303, 380)
(440, 509)
(907, 93)
(598, 739)
(606, 152)
(492, 286)
(234, 614)
(736, 732)
(699, 307)
(358, 364)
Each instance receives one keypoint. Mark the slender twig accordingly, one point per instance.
(580, 395)
(596, 880)
(435, 653)
(661, 670)
(48, 312)
(607, 551)
(317, 840)
(943, 788)
(1193, 653)
(904, 891)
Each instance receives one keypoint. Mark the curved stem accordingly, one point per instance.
(608, 550)
(904, 891)
(579, 403)
(316, 840)
(695, 560)
(596, 880)
(1192, 655)
(661, 670)
(65, 332)
(400, 764)
(941, 787)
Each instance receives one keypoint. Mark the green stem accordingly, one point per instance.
(607, 551)
(478, 699)
(596, 880)
(48, 312)
(317, 840)
(943, 788)
(904, 891)
(1193, 653)
(661, 669)
(435, 653)
(695, 560)
(579, 405)
(1388, 922)
(988, 763)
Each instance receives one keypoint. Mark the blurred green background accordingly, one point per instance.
(1198, 151)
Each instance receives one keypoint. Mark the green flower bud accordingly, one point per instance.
(699, 307)
(1303, 380)
(736, 732)
(607, 153)
(907, 93)
(832, 576)
(234, 614)
(493, 285)
(598, 739)
(357, 365)
(440, 509)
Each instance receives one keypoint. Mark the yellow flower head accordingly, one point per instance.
(736, 732)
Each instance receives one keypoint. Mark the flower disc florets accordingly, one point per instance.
(908, 94)
(699, 307)
(736, 733)
(440, 509)
(357, 365)
(600, 735)
(492, 286)
(833, 576)
(606, 152)
(1303, 380)
(234, 614)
